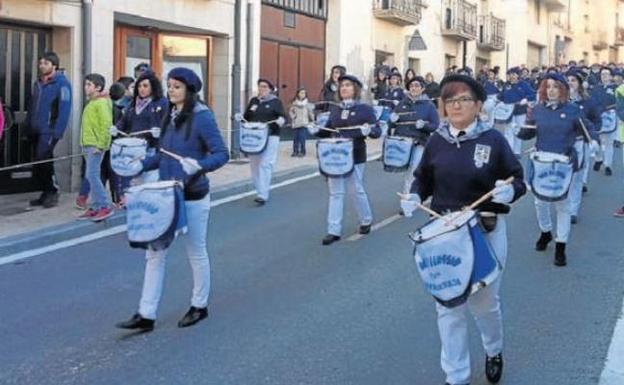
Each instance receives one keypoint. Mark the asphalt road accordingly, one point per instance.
(286, 310)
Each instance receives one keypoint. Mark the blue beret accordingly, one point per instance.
(186, 76)
(418, 79)
(580, 76)
(557, 77)
(353, 79)
(474, 85)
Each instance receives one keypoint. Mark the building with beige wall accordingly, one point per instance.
(164, 33)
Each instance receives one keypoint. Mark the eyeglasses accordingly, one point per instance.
(463, 101)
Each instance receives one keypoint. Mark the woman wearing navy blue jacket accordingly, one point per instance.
(591, 111)
(265, 107)
(147, 109)
(463, 160)
(558, 124)
(604, 93)
(519, 93)
(394, 94)
(416, 117)
(351, 112)
(191, 132)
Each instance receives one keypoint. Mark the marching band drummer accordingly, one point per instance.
(557, 122)
(191, 132)
(394, 94)
(590, 109)
(265, 107)
(463, 160)
(330, 88)
(417, 117)
(519, 93)
(604, 93)
(350, 113)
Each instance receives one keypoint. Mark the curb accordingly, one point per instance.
(58, 233)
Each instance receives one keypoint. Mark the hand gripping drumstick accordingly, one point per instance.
(486, 196)
(171, 154)
(424, 208)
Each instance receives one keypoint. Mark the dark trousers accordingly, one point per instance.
(300, 140)
(43, 174)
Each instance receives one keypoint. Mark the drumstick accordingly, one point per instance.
(585, 132)
(139, 132)
(486, 196)
(530, 127)
(123, 133)
(423, 207)
(171, 154)
(328, 129)
(410, 122)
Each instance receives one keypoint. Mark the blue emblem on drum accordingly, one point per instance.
(481, 155)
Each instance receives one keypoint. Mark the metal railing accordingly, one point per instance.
(491, 32)
(402, 12)
(315, 8)
(459, 19)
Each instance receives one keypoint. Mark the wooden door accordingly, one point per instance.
(288, 73)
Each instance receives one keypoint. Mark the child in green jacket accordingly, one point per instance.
(95, 140)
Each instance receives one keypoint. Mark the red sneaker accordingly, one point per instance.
(619, 213)
(102, 214)
(87, 214)
(81, 202)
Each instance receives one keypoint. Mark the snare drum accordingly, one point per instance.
(454, 257)
(335, 156)
(155, 214)
(397, 153)
(609, 122)
(254, 137)
(382, 113)
(126, 155)
(503, 113)
(549, 175)
(322, 119)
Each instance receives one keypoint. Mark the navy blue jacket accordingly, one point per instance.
(604, 96)
(591, 111)
(411, 110)
(395, 93)
(204, 144)
(151, 116)
(491, 88)
(50, 107)
(457, 171)
(265, 110)
(353, 115)
(557, 129)
(514, 93)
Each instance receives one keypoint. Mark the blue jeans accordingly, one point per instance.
(299, 140)
(99, 198)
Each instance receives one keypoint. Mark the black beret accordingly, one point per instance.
(474, 85)
(268, 82)
(353, 79)
(418, 79)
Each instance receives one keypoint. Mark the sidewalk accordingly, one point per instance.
(19, 224)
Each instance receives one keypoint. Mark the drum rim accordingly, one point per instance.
(414, 236)
(156, 185)
(535, 153)
(139, 142)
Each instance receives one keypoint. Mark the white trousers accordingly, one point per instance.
(606, 148)
(485, 308)
(408, 179)
(510, 133)
(575, 195)
(262, 167)
(338, 187)
(195, 241)
(544, 220)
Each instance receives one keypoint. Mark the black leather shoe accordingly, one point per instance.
(494, 368)
(543, 241)
(608, 171)
(137, 322)
(50, 200)
(329, 239)
(574, 219)
(365, 229)
(38, 201)
(597, 166)
(585, 189)
(560, 256)
(193, 316)
(260, 201)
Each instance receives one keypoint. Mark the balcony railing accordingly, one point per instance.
(491, 33)
(555, 5)
(401, 12)
(459, 19)
(314, 8)
(619, 36)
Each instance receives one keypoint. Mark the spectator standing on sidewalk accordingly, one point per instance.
(301, 114)
(95, 139)
(47, 119)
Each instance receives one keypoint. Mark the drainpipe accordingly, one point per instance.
(87, 23)
(249, 56)
(236, 81)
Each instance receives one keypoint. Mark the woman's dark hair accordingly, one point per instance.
(126, 81)
(409, 71)
(157, 91)
(116, 91)
(185, 117)
(296, 97)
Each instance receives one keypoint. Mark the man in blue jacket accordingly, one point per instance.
(47, 119)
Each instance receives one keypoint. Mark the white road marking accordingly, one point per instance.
(122, 228)
(613, 372)
(375, 227)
